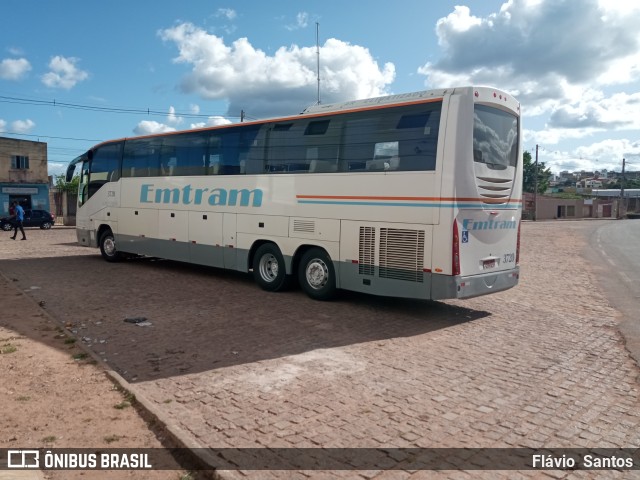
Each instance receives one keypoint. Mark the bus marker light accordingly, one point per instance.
(439, 270)
(455, 257)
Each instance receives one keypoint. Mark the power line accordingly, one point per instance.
(51, 136)
(95, 108)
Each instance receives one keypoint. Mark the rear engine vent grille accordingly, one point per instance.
(366, 254)
(401, 254)
(304, 226)
(494, 190)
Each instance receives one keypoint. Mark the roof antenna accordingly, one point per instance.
(318, 55)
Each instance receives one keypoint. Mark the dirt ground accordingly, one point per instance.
(55, 395)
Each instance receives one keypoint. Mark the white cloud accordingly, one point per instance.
(14, 68)
(603, 155)
(228, 13)
(151, 127)
(212, 122)
(172, 118)
(22, 126)
(15, 51)
(64, 73)
(538, 44)
(302, 20)
(575, 69)
(3, 125)
(173, 121)
(283, 83)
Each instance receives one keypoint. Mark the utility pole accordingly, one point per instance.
(241, 116)
(535, 189)
(621, 208)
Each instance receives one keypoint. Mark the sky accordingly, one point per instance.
(76, 73)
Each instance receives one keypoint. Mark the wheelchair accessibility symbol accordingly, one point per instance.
(465, 236)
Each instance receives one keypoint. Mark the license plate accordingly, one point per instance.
(486, 264)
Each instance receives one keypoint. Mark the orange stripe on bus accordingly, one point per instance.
(421, 199)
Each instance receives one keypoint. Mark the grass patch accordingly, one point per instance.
(8, 348)
(49, 439)
(129, 399)
(23, 398)
(70, 340)
(122, 405)
(111, 438)
(80, 356)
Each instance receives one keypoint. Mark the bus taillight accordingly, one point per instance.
(455, 258)
(518, 246)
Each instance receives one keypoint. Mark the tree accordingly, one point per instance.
(70, 187)
(529, 175)
(629, 183)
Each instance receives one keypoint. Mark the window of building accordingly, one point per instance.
(19, 162)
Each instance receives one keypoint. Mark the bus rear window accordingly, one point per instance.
(495, 138)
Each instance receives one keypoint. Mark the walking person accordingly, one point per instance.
(19, 218)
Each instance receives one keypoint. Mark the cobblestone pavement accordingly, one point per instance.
(225, 364)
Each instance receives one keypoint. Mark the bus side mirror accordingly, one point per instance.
(70, 170)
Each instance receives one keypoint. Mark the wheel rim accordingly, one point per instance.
(109, 246)
(268, 267)
(317, 273)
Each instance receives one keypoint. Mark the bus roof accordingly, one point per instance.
(374, 102)
(325, 109)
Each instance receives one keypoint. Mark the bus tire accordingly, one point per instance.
(108, 247)
(316, 274)
(269, 269)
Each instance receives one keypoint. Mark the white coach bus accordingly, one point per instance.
(416, 195)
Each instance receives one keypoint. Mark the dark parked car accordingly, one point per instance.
(32, 218)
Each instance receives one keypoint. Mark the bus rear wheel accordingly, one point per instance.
(269, 269)
(316, 274)
(108, 247)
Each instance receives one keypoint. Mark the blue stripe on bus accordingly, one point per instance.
(508, 206)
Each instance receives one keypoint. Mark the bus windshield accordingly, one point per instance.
(495, 138)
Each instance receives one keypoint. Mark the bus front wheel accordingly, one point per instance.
(108, 247)
(269, 269)
(316, 274)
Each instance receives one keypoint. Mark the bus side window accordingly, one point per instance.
(187, 153)
(417, 134)
(104, 167)
(359, 144)
(321, 140)
(284, 148)
(237, 146)
(140, 158)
